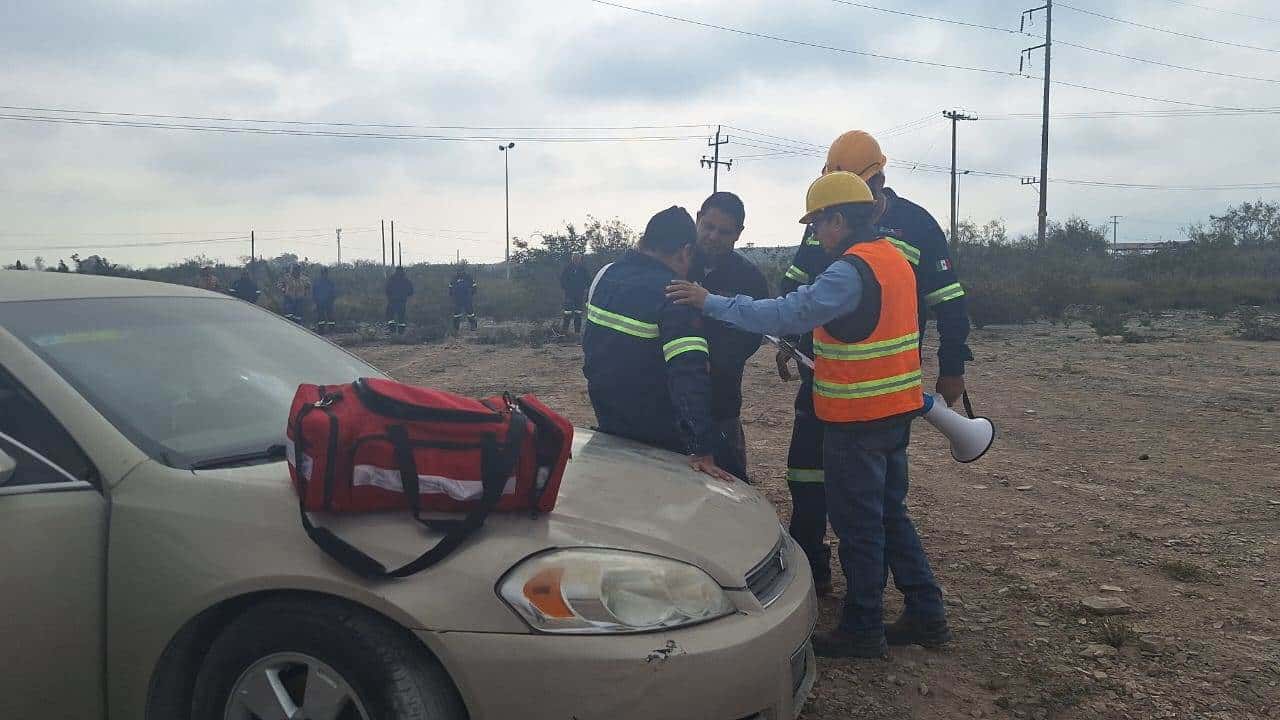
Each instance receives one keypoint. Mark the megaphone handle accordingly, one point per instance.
(968, 406)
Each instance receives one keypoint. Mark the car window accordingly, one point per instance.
(26, 469)
(186, 379)
(24, 420)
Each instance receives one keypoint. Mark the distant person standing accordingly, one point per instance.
(207, 280)
(462, 291)
(324, 294)
(295, 287)
(245, 288)
(399, 290)
(574, 281)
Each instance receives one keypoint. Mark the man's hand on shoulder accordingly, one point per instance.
(683, 292)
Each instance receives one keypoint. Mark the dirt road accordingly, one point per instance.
(1144, 472)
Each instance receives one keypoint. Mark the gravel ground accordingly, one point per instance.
(1141, 472)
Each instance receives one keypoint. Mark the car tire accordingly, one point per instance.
(391, 675)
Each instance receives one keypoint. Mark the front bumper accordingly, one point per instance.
(756, 664)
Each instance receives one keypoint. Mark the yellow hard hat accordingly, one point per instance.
(856, 152)
(832, 189)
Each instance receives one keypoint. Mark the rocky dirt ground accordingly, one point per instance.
(1143, 473)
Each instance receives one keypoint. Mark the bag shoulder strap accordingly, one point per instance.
(497, 466)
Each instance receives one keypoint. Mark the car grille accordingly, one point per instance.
(769, 579)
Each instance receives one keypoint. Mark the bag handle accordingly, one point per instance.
(496, 468)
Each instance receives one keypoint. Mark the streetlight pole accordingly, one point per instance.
(504, 148)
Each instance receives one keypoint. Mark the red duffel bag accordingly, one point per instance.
(382, 445)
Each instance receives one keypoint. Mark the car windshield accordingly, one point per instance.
(190, 381)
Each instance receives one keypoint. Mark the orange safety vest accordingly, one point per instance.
(879, 377)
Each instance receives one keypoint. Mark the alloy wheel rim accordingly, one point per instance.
(293, 686)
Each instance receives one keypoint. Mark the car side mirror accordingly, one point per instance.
(8, 466)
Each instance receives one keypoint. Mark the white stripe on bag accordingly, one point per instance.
(290, 454)
(371, 475)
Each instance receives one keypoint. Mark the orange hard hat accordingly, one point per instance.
(856, 152)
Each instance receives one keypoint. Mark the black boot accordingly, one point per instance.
(910, 630)
(840, 644)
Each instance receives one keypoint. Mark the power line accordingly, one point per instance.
(384, 126)
(802, 43)
(1148, 61)
(1078, 46)
(1167, 31)
(932, 18)
(1224, 12)
(848, 51)
(335, 134)
(96, 246)
(1108, 114)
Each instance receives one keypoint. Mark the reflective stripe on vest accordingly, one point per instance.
(867, 388)
(680, 346)
(946, 294)
(622, 323)
(800, 276)
(879, 376)
(867, 351)
(909, 251)
(797, 475)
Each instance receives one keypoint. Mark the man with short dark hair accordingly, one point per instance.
(724, 271)
(645, 358)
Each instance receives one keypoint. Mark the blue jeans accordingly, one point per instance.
(866, 482)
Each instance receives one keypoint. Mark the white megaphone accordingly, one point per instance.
(970, 438)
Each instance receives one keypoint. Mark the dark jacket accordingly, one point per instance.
(936, 280)
(574, 281)
(399, 289)
(645, 359)
(323, 291)
(462, 289)
(729, 276)
(245, 289)
(918, 235)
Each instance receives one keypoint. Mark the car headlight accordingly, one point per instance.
(589, 590)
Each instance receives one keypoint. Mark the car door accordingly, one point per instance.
(53, 522)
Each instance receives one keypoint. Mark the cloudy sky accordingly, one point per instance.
(610, 110)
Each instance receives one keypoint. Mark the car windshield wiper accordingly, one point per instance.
(273, 452)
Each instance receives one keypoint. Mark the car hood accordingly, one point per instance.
(616, 493)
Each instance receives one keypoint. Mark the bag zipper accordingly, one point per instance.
(401, 410)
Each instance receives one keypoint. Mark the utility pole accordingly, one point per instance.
(339, 231)
(955, 116)
(384, 248)
(1115, 230)
(1043, 220)
(714, 161)
(393, 245)
(505, 148)
(252, 250)
(401, 255)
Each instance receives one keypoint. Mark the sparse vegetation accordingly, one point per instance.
(1183, 571)
(1116, 633)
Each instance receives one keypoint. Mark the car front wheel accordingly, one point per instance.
(320, 660)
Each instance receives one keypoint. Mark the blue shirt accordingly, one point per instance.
(837, 291)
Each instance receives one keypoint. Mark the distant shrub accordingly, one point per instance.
(1250, 325)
